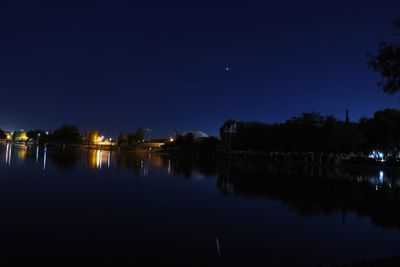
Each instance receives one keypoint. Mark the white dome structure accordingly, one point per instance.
(196, 134)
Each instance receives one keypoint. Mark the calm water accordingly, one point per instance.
(99, 208)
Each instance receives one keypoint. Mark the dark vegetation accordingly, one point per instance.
(40, 136)
(387, 62)
(66, 134)
(319, 191)
(134, 138)
(312, 132)
(187, 143)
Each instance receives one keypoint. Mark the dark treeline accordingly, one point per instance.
(65, 134)
(68, 134)
(188, 143)
(312, 132)
(132, 138)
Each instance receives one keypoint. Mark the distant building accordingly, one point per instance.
(154, 143)
(196, 134)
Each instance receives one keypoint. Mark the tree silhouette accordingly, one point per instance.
(387, 63)
(2, 134)
(66, 134)
(38, 135)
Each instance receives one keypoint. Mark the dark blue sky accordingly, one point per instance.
(117, 65)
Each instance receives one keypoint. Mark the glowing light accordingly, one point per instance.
(20, 136)
(9, 136)
(375, 154)
(171, 139)
(381, 176)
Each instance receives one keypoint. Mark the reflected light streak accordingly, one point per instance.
(8, 154)
(44, 158)
(169, 167)
(37, 154)
(144, 168)
(218, 246)
(99, 159)
(381, 176)
(22, 151)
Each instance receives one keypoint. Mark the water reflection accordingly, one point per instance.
(63, 160)
(8, 153)
(307, 190)
(22, 153)
(37, 154)
(109, 204)
(188, 167)
(44, 158)
(97, 159)
(371, 193)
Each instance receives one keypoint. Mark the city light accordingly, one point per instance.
(9, 136)
(375, 154)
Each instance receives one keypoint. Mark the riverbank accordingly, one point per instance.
(290, 158)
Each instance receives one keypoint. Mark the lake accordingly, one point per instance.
(101, 208)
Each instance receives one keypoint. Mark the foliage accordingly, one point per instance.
(66, 134)
(387, 63)
(19, 136)
(208, 144)
(91, 136)
(138, 135)
(386, 128)
(185, 142)
(2, 134)
(134, 138)
(223, 131)
(312, 132)
(37, 135)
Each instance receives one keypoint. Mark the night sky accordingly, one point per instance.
(115, 65)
